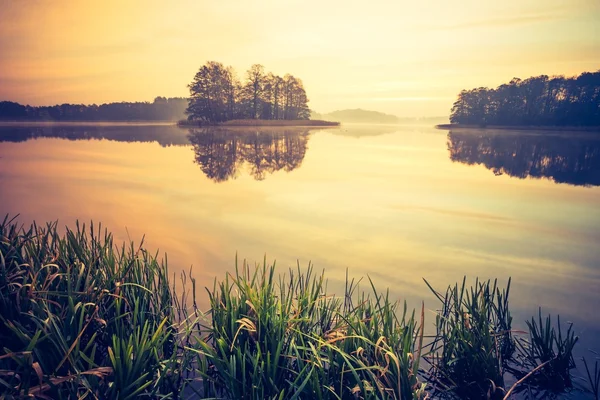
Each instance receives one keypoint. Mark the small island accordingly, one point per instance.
(217, 97)
(540, 102)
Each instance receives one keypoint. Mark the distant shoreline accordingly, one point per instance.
(521, 127)
(263, 123)
(86, 123)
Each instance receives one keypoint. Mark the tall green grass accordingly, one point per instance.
(83, 317)
(550, 349)
(473, 340)
(593, 376)
(286, 337)
(80, 316)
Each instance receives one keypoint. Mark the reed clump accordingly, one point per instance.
(473, 340)
(286, 337)
(80, 316)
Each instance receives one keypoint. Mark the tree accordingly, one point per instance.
(212, 94)
(255, 87)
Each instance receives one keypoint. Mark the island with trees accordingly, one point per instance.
(539, 101)
(217, 96)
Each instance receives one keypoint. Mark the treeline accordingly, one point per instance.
(161, 109)
(217, 95)
(540, 100)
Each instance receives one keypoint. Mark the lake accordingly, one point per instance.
(396, 203)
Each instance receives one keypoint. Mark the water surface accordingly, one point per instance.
(396, 203)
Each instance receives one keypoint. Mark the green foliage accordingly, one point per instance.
(79, 315)
(287, 338)
(473, 339)
(549, 351)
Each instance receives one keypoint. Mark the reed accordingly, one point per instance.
(80, 316)
(593, 377)
(287, 337)
(473, 340)
(551, 347)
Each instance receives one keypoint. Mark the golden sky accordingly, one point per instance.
(409, 58)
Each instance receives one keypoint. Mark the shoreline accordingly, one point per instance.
(301, 123)
(86, 123)
(594, 129)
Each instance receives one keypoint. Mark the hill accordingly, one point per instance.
(357, 116)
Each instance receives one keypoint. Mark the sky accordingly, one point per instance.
(408, 58)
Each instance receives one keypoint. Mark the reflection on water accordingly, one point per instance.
(221, 153)
(165, 135)
(563, 159)
(392, 206)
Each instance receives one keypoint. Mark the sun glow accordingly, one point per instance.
(407, 57)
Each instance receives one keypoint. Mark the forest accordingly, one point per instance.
(161, 109)
(536, 101)
(217, 95)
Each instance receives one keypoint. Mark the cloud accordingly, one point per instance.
(455, 213)
(502, 22)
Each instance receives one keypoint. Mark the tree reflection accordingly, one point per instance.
(574, 160)
(222, 153)
(165, 135)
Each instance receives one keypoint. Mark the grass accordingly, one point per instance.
(264, 122)
(548, 347)
(286, 337)
(85, 318)
(81, 317)
(473, 340)
(593, 377)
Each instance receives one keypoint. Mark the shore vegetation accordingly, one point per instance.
(85, 317)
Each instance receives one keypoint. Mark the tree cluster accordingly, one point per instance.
(217, 95)
(162, 109)
(540, 100)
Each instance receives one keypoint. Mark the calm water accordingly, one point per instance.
(397, 203)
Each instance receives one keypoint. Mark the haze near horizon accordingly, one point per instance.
(406, 59)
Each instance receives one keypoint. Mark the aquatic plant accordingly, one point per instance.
(81, 316)
(549, 352)
(593, 378)
(287, 338)
(473, 339)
